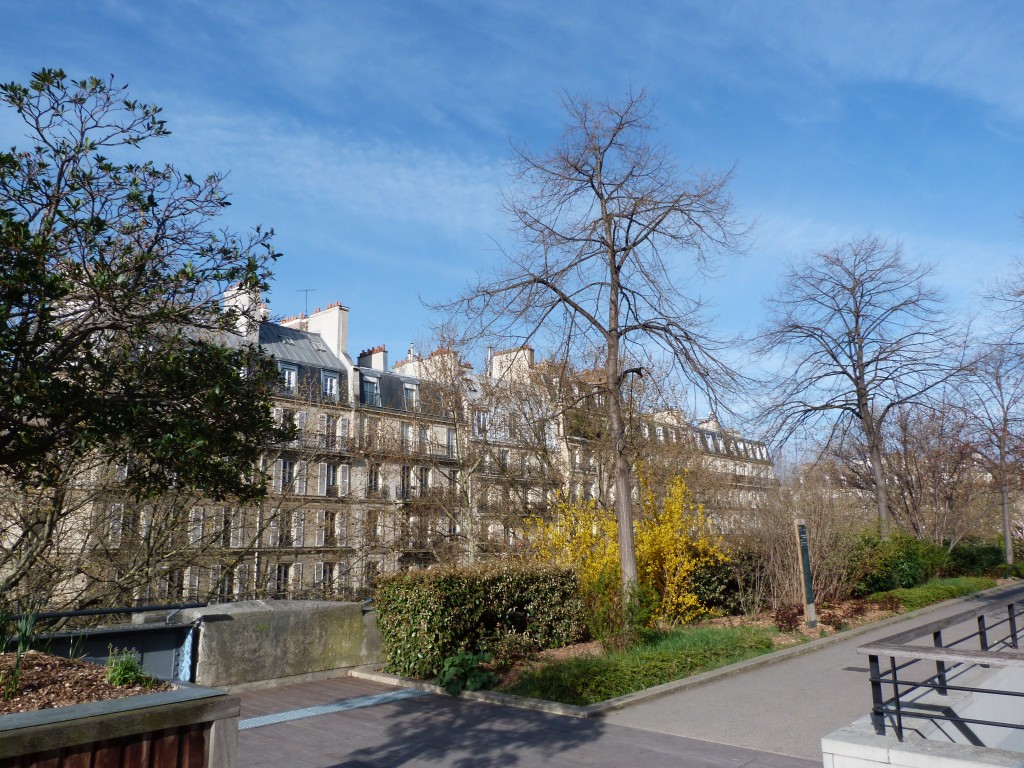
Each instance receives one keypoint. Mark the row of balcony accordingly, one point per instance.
(368, 444)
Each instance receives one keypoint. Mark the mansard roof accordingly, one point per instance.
(303, 348)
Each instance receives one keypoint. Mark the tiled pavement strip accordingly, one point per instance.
(377, 728)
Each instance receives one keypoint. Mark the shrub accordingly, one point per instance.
(463, 672)
(898, 562)
(679, 556)
(682, 567)
(426, 617)
(973, 558)
(787, 617)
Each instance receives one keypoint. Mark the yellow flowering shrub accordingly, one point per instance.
(677, 554)
(579, 535)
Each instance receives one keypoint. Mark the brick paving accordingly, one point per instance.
(437, 730)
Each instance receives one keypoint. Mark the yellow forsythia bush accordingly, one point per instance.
(677, 554)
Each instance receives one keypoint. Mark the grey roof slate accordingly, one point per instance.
(301, 347)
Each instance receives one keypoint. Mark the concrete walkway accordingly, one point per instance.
(786, 707)
(352, 723)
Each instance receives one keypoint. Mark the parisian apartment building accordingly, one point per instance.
(408, 464)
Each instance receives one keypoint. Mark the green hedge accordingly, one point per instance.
(899, 562)
(975, 558)
(425, 617)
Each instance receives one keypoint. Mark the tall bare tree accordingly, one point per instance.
(861, 333)
(996, 396)
(606, 223)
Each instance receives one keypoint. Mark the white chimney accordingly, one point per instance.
(244, 304)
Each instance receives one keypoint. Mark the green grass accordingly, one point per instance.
(935, 591)
(666, 657)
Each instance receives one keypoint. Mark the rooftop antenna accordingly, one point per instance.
(306, 291)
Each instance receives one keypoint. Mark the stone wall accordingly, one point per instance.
(264, 640)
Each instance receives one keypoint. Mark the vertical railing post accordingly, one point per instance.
(877, 707)
(982, 633)
(940, 666)
(1013, 625)
(896, 698)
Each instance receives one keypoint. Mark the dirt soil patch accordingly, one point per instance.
(53, 681)
(550, 656)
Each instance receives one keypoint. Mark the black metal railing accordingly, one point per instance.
(165, 648)
(919, 688)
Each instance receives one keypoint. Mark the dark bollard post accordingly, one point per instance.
(1010, 610)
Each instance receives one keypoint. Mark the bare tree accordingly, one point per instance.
(940, 489)
(862, 333)
(996, 397)
(605, 221)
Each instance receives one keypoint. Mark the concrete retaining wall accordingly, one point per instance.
(263, 640)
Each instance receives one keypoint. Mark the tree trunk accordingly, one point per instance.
(623, 491)
(1004, 500)
(881, 493)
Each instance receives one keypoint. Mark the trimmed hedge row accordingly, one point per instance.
(425, 617)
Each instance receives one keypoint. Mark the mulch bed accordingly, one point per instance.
(53, 681)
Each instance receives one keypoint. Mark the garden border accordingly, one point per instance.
(372, 672)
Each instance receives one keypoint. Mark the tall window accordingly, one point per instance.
(282, 579)
(370, 392)
(480, 424)
(405, 488)
(289, 377)
(412, 397)
(329, 385)
(326, 431)
(330, 528)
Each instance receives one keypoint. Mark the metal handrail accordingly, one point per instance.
(998, 651)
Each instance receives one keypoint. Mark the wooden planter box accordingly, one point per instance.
(190, 727)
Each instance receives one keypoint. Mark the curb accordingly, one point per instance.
(372, 672)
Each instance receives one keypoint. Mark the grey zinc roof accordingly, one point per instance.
(301, 347)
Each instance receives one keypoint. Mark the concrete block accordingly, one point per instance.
(852, 743)
(263, 640)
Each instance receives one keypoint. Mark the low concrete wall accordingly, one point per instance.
(263, 640)
(857, 746)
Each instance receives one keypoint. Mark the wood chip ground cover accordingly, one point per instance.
(49, 681)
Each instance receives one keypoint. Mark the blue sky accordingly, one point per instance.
(374, 136)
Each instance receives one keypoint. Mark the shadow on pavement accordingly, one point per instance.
(436, 730)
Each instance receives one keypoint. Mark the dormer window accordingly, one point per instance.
(412, 397)
(329, 385)
(371, 391)
(289, 376)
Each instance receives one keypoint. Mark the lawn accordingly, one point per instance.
(663, 657)
(666, 656)
(935, 591)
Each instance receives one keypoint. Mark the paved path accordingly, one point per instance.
(784, 707)
(433, 730)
